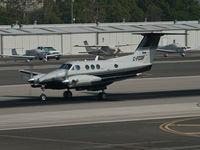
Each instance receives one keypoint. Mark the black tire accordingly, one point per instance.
(102, 96)
(57, 58)
(67, 94)
(43, 97)
(165, 55)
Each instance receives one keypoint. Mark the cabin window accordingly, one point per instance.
(98, 66)
(92, 67)
(77, 67)
(87, 67)
(116, 65)
(65, 66)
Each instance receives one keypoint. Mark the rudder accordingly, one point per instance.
(148, 46)
(14, 52)
(88, 49)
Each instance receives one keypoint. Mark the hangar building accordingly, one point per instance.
(63, 37)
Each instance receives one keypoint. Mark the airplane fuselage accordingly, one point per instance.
(78, 74)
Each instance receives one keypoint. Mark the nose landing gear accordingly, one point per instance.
(43, 97)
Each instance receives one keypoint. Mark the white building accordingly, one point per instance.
(63, 37)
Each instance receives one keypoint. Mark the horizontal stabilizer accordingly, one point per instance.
(19, 56)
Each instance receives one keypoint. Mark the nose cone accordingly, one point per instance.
(57, 75)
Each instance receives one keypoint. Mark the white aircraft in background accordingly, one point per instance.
(102, 50)
(173, 48)
(97, 75)
(40, 53)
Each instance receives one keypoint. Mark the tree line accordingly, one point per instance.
(90, 11)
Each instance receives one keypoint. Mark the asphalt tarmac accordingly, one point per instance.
(160, 111)
(163, 67)
(133, 135)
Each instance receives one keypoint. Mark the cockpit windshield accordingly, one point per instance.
(65, 66)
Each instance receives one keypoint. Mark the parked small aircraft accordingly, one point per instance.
(173, 48)
(40, 53)
(97, 75)
(102, 50)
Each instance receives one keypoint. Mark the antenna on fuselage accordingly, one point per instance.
(97, 58)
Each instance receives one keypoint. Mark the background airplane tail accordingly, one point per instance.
(147, 47)
(88, 49)
(14, 52)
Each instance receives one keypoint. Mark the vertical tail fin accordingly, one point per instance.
(148, 45)
(88, 49)
(14, 52)
(150, 40)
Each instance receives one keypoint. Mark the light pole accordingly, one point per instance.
(72, 11)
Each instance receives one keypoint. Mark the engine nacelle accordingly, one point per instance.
(82, 80)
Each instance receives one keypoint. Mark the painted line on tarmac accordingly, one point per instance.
(167, 127)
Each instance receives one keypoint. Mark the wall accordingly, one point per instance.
(26, 42)
(1, 46)
(65, 42)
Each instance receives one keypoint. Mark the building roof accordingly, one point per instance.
(102, 28)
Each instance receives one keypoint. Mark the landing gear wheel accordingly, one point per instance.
(43, 97)
(102, 96)
(183, 54)
(165, 55)
(67, 94)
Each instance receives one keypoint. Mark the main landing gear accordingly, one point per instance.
(67, 94)
(166, 55)
(102, 95)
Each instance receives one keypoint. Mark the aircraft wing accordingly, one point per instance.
(97, 46)
(83, 52)
(125, 45)
(103, 46)
(166, 50)
(19, 56)
(29, 72)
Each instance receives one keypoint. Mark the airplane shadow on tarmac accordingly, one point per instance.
(22, 101)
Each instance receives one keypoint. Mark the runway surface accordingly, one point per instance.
(133, 135)
(158, 111)
(125, 121)
(10, 75)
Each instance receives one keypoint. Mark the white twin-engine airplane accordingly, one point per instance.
(97, 75)
(102, 50)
